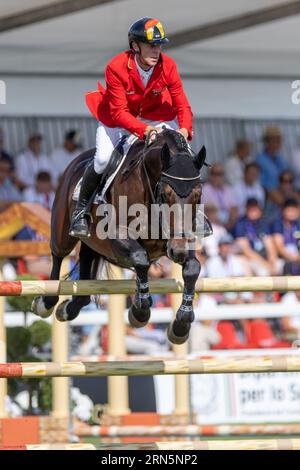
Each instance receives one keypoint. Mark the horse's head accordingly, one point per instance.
(179, 191)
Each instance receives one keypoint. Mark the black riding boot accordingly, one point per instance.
(79, 225)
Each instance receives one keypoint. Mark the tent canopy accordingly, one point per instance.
(257, 38)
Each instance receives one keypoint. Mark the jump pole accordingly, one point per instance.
(201, 365)
(247, 444)
(117, 386)
(182, 395)
(60, 350)
(3, 382)
(159, 286)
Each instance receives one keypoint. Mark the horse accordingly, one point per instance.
(166, 172)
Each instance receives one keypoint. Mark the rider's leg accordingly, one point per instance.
(106, 140)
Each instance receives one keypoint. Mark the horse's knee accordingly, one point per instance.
(191, 270)
(140, 260)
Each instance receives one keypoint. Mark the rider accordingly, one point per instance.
(143, 93)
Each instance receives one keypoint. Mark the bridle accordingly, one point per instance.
(157, 195)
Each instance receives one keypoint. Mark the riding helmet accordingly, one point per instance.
(148, 30)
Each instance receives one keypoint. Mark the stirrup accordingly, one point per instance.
(82, 230)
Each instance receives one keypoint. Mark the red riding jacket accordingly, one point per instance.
(125, 99)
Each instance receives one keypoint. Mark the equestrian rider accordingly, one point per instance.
(143, 93)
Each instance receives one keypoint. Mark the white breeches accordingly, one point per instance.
(108, 137)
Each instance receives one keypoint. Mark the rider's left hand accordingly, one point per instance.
(184, 132)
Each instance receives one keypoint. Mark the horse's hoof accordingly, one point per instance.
(38, 308)
(173, 338)
(61, 311)
(133, 314)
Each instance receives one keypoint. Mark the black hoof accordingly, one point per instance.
(138, 317)
(40, 308)
(61, 311)
(178, 333)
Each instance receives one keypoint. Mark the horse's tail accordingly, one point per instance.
(101, 269)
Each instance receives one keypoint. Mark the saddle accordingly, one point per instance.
(108, 175)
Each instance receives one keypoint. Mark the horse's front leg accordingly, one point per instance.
(179, 329)
(139, 311)
(43, 305)
(130, 250)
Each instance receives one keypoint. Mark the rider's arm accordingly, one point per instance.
(179, 100)
(119, 107)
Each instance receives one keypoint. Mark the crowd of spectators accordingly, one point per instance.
(33, 176)
(252, 202)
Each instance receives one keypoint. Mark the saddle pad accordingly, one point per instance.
(101, 197)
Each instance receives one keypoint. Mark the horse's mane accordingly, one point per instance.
(176, 139)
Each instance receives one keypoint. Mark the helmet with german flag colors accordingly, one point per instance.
(148, 30)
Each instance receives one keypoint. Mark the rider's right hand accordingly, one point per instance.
(151, 132)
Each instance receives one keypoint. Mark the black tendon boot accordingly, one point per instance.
(79, 225)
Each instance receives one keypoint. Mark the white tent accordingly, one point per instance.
(237, 57)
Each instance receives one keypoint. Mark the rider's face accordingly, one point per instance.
(149, 54)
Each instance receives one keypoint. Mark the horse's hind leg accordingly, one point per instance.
(42, 306)
(69, 309)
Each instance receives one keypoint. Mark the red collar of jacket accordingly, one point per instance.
(134, 73)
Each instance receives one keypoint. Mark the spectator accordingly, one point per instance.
(291, 325)
(203, 336)
(146, 340)
(4, 155)
(276, 199)
(42, 192)
(211, 243)
(249, 188)
(271, 161)
(32, 161)
(235, 165)
(8, 191)
(253, 237)
(61, 157)
(226, 264)
(287, 236)
(295, 166)
(219, 194)
(285, 190)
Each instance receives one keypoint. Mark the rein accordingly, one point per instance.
(156, 195)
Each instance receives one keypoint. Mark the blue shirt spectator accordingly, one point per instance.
(271, 161)
(253, 230)
(253, 237)
(286, 234)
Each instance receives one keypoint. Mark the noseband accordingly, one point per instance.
(158, 196)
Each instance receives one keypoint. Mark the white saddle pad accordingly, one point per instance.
(101, 197)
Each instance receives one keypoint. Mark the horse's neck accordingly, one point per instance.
(153, 163)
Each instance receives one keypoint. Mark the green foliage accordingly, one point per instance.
(18, 342)
(45, 394)
(22, 303)
(40, 333)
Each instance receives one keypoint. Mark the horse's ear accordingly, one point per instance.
(199, 159)
(166, 156)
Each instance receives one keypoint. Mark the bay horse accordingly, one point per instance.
(163, 172)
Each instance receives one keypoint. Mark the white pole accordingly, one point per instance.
(118, 402)
(60, 385)
(3, 382)
(182, 400)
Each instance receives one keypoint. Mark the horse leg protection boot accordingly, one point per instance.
(79, 224)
